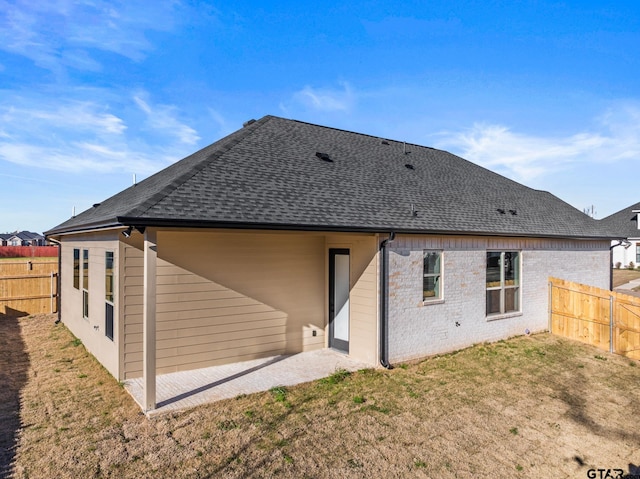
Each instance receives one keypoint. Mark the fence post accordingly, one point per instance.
(611, 323)
(51, 289)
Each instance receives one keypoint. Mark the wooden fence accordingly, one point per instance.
(28, 286)
(606, 319)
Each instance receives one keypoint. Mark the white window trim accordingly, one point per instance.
(508, 314)
(85, 307)
(436, 299)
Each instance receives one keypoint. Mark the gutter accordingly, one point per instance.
(59, 285)
(384, 303)
(191, 223)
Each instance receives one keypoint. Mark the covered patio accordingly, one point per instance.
(185, 389)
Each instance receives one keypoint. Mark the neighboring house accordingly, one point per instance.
(22, 238)
(286, 237)
(625, 225)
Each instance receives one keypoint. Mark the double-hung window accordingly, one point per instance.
(503, 282)
(432, 275)
(638, 254)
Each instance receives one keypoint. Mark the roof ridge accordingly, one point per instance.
(199, 166)
(376, 137)
(477, 165)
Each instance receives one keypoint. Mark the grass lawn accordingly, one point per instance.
(538, 406)
(622, 276)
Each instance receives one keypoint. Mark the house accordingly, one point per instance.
(286, 237)
(625, 224)
(22, 238)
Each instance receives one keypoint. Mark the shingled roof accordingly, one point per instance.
(276, 173)
(624, 223)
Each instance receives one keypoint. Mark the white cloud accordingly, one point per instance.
(163, 118)
(85, 137)
(56, 34)
(326, 99)
(74, 114)
(616, 136)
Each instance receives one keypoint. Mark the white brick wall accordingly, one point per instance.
(418, 330)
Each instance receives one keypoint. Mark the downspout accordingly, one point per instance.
(384, 303)
(59, 285)
(622, 242)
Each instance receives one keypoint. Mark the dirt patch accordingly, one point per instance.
(537, 406)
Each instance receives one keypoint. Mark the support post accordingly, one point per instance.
(149, 320)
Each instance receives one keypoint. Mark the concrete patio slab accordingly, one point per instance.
(186, 389)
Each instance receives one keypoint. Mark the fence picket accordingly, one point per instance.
(28, 287)
(606, 319)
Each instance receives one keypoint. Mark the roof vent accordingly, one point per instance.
(513, 212)
(384, 142)
(95, 205)
(324, 157)
(409, 166)
(248, 122)
(501, 211)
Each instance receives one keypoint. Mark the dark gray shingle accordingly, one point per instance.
(624, 223)
(267, 174)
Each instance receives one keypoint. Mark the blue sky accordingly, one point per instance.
(92, 92)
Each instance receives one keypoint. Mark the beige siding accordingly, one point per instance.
(233, 296)
(224, 297)
(363, 327)
(132, 299)
(91, 330)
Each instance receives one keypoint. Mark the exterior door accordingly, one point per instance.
(339, 299)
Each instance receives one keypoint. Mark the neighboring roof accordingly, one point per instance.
(22, 235)
(271, 174)
(28, 235)
(624, 223)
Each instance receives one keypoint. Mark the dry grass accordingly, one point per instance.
(537, 406)
(622, 276)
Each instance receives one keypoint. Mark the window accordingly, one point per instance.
(108, 294)
(503, 282)
(76, 268)
(108, 276)
(432, 285)
(85, 283)
(638, 254)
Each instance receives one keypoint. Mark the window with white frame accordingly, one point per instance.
(85, 283)
(76, 268)
(108, 294)
(432, 275)
(503, 282)
(638, 254)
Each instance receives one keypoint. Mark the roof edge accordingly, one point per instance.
(180, 223)
(82, 229)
